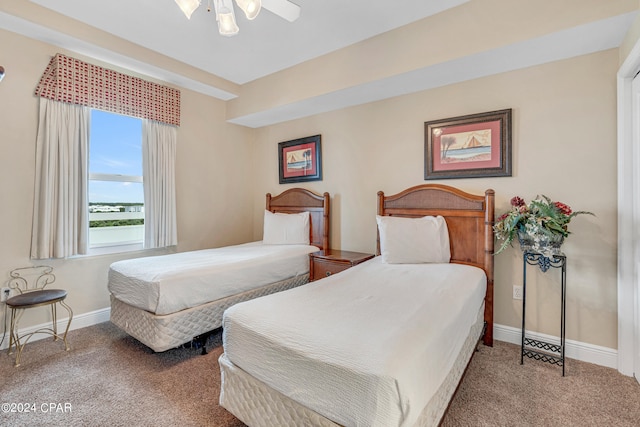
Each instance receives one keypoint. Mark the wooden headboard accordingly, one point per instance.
(296, 200)
(469, 219)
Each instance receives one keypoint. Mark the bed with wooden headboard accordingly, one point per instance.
(165, 301)
(383, 343)
(469, 219)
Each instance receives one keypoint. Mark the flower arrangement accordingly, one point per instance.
(540, 219)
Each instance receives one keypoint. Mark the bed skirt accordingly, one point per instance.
(257, 405)
(161, 333)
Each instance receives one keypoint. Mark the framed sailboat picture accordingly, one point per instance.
(300, 160)
(472, 146)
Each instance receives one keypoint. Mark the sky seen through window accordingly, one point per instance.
(115, 147)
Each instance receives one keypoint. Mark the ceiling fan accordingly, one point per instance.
(225, 12)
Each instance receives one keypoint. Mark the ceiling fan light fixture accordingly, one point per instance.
(188, 6)
(226, 19)
(251, 8)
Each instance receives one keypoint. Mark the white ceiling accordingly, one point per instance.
(263, 46)
(270, 44)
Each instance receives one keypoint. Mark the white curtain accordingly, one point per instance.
(158, 165)
(60, 216)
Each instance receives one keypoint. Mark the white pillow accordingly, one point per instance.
(413, 240)
(286, 229)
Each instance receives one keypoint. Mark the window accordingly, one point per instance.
(116, 196)
(62, 187)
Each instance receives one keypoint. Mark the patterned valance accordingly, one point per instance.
(73, 81)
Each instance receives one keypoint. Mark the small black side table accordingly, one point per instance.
(538, 349)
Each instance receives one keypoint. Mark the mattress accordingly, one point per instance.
(161, 333)
(257, 405)
(369, 346)
(170, 283)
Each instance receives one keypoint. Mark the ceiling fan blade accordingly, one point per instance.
(283, 8)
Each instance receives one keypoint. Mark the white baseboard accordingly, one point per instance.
(79, 321)
(596, 354)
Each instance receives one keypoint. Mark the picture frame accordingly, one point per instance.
(471, 146)
(300, 160)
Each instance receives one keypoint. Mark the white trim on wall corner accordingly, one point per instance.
(628, 315)
(79, 321)
(603, 356)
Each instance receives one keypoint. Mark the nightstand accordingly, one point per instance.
(330, 261)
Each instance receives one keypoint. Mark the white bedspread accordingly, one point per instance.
(365, 347)
(169, 283)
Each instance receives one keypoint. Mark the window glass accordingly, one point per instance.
(116, 144)
(116, 197)
(115, 192)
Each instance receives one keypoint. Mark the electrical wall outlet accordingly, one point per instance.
(517, 292)
(5, 293)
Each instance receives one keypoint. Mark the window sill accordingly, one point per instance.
(134, 248)
(117, 249)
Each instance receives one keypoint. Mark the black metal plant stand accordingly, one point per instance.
(538, 349)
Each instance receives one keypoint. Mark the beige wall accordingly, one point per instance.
(471, 28)
(564, 146)
(208, 184)
(630, 39)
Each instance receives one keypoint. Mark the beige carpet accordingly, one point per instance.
(109, 379)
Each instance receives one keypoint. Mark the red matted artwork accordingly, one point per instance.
(300, 160)
(477, 145)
